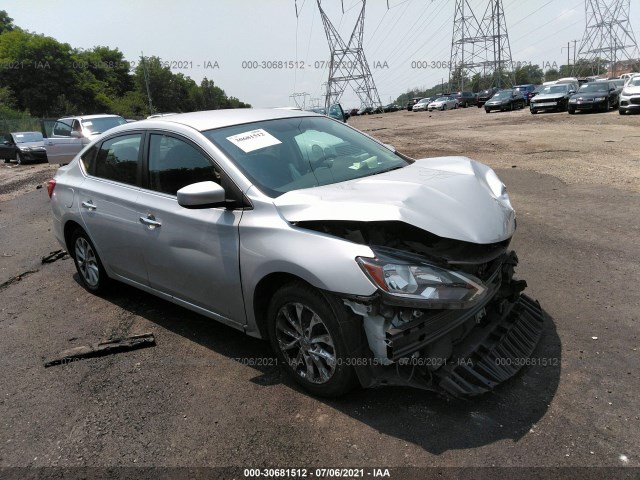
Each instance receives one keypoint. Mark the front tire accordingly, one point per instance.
(571, 110)
(304, 330)
(19, 159)
(92, 274)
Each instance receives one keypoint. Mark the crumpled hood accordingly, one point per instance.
(452, 197)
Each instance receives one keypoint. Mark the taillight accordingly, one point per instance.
(51, 184)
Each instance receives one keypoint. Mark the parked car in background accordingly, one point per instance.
(65, 137)
(485, 95)
(465, 98)
(412, 102)
(23, 147)
(365, 110)
(443, 103)
(353, 112)
(526, 90)
(630, 96)
(552, 97)
(222, 212)
(421, 106)
(392, 107)
(505, 100)
(595, 97)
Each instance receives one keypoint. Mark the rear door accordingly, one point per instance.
(108, 206)
(190, 254)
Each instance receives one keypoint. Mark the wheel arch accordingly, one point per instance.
(70, 227)
(264, 291)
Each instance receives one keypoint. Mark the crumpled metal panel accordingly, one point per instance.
(448, 196)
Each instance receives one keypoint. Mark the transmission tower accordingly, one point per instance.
(348, 65)
(480, 47)
(608, 36)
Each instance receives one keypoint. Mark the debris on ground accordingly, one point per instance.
(55, 255)
(102, 348)
(17, 278)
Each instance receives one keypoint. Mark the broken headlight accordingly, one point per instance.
(437, 287)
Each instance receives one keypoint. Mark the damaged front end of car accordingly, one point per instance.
(448, 315)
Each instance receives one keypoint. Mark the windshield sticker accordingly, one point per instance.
(253, 140)
(87, 123)
(19, 136)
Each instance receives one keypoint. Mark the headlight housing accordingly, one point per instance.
(413, 280)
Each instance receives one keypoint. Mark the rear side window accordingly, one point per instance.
(174, 163)
(117, 159)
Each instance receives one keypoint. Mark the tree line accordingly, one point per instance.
(43, 77)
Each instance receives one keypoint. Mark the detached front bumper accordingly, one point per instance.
(456, 352)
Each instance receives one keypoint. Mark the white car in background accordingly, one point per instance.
(421, 106)
(443, 103)
(630, 96)
(65, 137)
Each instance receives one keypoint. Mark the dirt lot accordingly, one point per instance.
(199, 399)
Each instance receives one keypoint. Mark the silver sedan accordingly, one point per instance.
(359, 264)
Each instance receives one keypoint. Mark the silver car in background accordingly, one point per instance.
(358, 264)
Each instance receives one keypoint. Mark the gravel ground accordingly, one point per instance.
(207, 396)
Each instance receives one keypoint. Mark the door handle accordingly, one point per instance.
(150, 221)
(89, 205)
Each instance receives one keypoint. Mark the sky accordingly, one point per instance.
(239, 43)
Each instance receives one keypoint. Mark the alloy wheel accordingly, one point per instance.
(87, 262)
(305, 342)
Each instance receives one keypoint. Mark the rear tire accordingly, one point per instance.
(304, 331)
(90, 270)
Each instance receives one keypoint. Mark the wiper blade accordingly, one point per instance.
(389, 169)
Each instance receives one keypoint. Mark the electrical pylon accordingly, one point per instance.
(608, 37)
(348, 64)
(480, 46)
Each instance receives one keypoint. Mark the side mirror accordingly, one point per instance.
(75, 134)
(6, 142)
(335, 111)
(571, 92)
(201, 195)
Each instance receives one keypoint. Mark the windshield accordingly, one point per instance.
(522, 89)
(594, 87)
(295, 153)
(442, 99)
(424, 100)
(100, 125)
(503, 94)
(634, 82)
(554, 89)
(25, 137)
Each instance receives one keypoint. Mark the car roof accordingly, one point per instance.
(210, 119)
(88, 117)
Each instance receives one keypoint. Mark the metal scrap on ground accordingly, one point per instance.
(53, 256)
(102, 348)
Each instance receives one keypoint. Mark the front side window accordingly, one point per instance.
(117, 159)
(302, 152)
(62, 129)
(174, 163)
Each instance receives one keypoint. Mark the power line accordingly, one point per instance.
(608, 37)
(348, 64)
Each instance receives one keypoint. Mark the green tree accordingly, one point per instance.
(40, 70)
(528, 74)
(6, 22)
